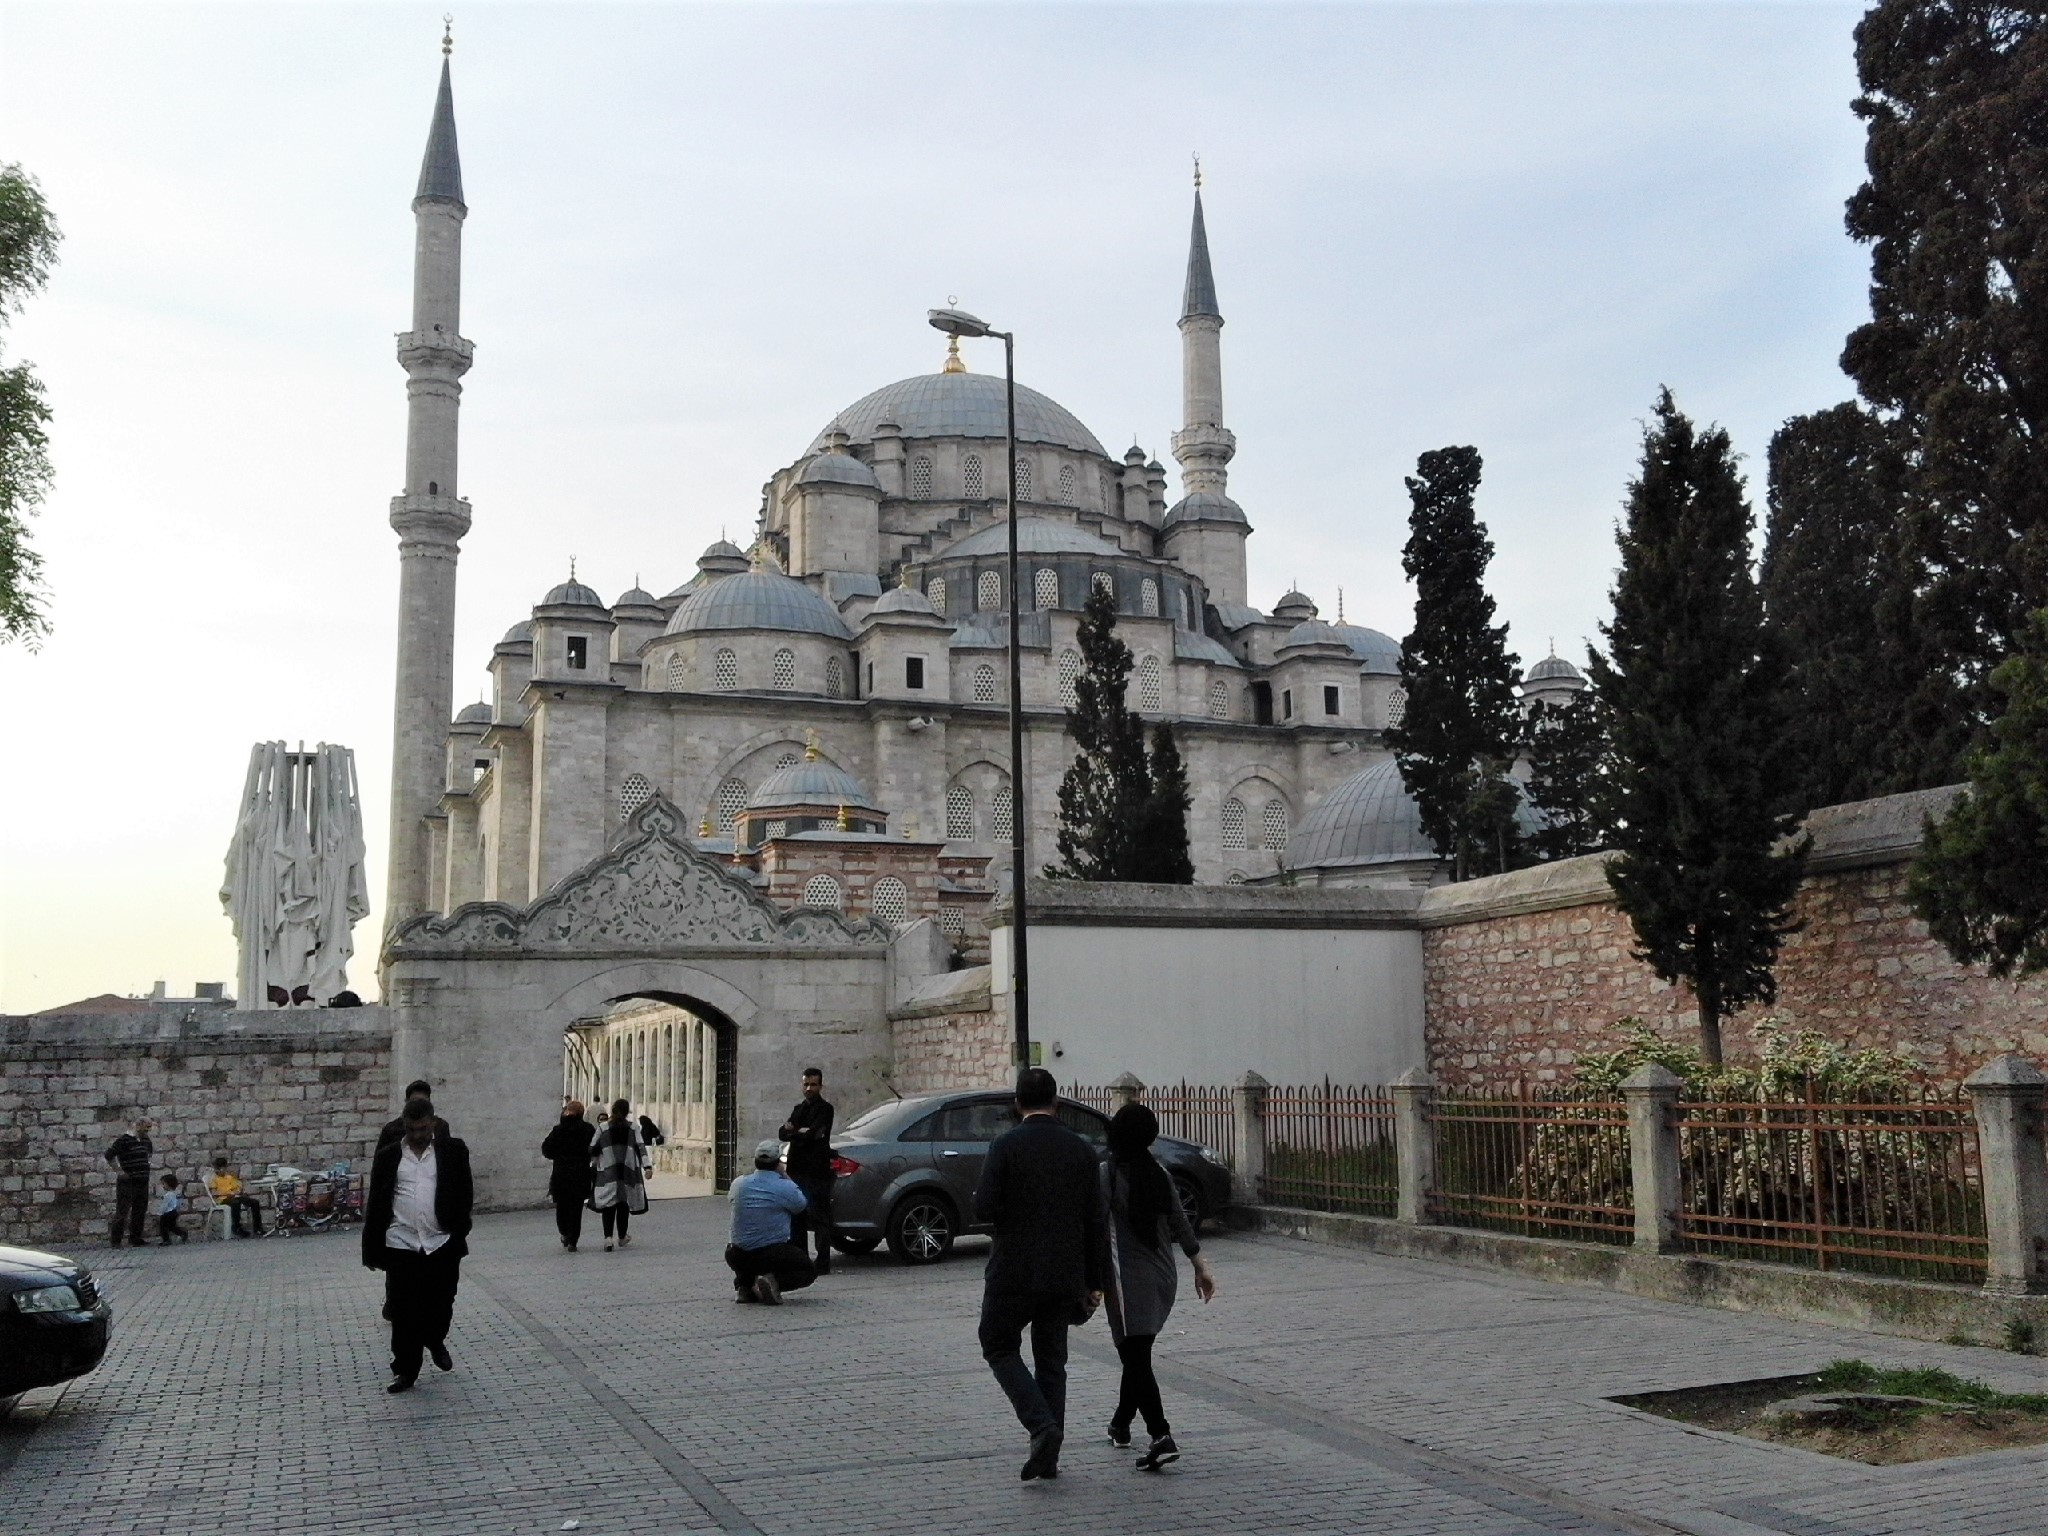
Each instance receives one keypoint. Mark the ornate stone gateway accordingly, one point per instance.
(481, 996)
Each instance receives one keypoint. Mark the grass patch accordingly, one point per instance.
(1942, 1386)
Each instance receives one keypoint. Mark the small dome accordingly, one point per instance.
(1204, 507)
(474, 714)
(1368, 818)
(1555, 668)
(761, 599)
(1293, 607)
(637, 597)
(1035, 536)
(810, 782)
(1314, 632)
(958, 405)
(1380, 654)
(905, 600)
(724, 555)
(519, 634)
(571, 594)
(838, 469)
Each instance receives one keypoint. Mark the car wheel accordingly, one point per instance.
(921, 1228)
(1190, 1201)
(846, 1244)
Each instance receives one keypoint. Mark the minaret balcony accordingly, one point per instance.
(430, 519)
(1217, 443)
(435, 349)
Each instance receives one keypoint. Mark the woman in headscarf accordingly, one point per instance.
(567, 1147)
(618, 1172)
(1145, 1221)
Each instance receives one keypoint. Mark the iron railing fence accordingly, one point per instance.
(1543, 1162)
(1094, 1095)
(1889, 1187)
(1190, 1111)
(1330, 1148)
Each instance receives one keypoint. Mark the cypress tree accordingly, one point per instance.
(1458, 737)
(1977, 882)
(28, 249)
(1568, 777)
(1694, 693)
(1162, 843)
(1105, 795)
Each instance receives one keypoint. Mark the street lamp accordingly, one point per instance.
(957, 322)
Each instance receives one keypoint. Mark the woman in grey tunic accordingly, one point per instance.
(1145, 1220)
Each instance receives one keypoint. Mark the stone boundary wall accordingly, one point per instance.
(1524, 973)
(308, 1088)
(947, 1051)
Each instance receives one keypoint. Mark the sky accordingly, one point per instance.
(697, 232)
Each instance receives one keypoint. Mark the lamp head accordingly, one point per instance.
(957, 322)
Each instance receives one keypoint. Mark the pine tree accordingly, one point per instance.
(1105, 794)
(1872, 712)
(1955, 95)
(28, 249)
(1162, 842)
(1977, 882)
(1457, 739)
(1694, 693)
(1569, 777)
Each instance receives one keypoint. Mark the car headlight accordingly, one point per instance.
(48, 1298)
(1209, 1154)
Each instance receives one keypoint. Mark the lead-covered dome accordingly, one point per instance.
(1555, 668)
(1035, 536)
(958, 405)
(571, 594)
(1368, 819)
(1378, 654)
(1204, 507)
(759, 600)
(839, 469)
(810, 782)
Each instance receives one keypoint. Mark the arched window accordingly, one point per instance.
(1148, 685)
(785, 669)
(821, 891)
(1148, 598)
(835, 677)
(937, 593)
(1023, 478)
(1233, 823)
(1102, 581)
(988, 591)
(1219, 699)
(1067, 484)
(634, 792)
(921, 478)
(1045, 587)
(1070, 674)
(952, 921)
(999, 822)
(788, 760)
(678, 674)
(984, 684)
(970, 478)
(725, 671)
(1273, 825)
(1397, 705)
(1235, 877)
(889, 901)
(727, 804)
(1187, 609)
(960, 814)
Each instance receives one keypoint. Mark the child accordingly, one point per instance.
(167, 1208)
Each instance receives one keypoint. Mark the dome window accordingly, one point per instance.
(1235, 877)
(678, 674)
(1233, 823)
(1187, 609)
(970, 478)
(960, 814)
(921, 478)
(576, 650)
(1148, 685)
(1070, 675)
(889, 901)
(913, 673)
(999, 820)
(1219, 699)
(725, 671)
(1045, 588)
(953, 921)
(777, 829)
(785, 669)
(1067, 484)
(1397, 705)
(1333, 699)
(727, 804)
(1102, 581)
(1023, 478)
(835, 677)
(634, 792)
(1273, 824)
(984, 684)
(988, 592)
(822, 891)
(937, 593)
(788, 760)
(1148, 598)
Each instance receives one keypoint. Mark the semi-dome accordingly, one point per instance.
(958, 405)
(759, 600)
(478, 713)
(812, 781)
(1035, 536)
(571, 594)
(1313, 632)
(1368, 818)
(1379, 654)
(1555, 668)
(1204, 507)
(839, 469)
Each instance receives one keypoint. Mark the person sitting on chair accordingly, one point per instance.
(764, 1261)
(227, 1190)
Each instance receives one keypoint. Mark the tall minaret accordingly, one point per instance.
(430, 516)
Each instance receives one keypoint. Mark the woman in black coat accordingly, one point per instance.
(568, 1148)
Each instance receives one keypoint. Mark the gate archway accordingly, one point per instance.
(677, 1062)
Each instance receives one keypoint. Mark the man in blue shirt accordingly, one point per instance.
(764, 1262)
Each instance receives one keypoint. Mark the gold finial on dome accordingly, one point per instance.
(1198, 170)
(845, 819)
(953, 362)
(704, 828)
(811, 752)
(447, 33)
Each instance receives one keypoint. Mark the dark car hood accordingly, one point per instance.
(28, 1264)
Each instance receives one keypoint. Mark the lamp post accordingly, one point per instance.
(957, 322)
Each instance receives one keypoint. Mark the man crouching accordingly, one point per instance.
(764, 1261)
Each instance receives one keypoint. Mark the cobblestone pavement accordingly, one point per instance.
(1325, 1391)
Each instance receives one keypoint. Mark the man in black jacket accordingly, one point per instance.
(809, 1134)
(131, 1154)
(416, 1228)
(394, 1129)
(1041, 1191)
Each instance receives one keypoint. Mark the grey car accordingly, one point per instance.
(906, 1170)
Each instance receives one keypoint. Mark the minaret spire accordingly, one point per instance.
(1203, 445)
(429, 515)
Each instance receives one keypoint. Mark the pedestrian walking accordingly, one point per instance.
(618, 1173)
(394, 1129)
(1040, 1193)
(809, 1134)
(167, 1207)
(416, 1230)
(567, 1147)
(1145, 1220)
(132, 1155)
(764, 1259)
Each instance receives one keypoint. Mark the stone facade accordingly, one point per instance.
(940, 1052)
(309, 1088)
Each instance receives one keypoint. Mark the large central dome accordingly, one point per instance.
(959, 405)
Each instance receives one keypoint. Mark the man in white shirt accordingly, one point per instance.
(415, 1228)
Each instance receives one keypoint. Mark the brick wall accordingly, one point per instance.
(310, 1096)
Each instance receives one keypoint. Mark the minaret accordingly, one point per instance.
(430, 516)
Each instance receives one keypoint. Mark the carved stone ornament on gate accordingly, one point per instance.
(653, 890)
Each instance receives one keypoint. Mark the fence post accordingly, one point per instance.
(1652, 1094)
(1128, 1089)
(1248, 1108)
(1414, 1144)
(2008, 1097)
